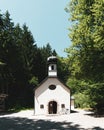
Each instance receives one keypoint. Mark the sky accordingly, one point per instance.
(46, 19)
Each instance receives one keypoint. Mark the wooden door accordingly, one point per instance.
(52, 107)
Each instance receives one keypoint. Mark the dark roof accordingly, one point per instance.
(52, 59)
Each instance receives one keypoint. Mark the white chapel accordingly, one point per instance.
(51, 96)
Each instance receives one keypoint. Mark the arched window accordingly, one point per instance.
(52, 67)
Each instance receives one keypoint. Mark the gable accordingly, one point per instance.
(44, 87)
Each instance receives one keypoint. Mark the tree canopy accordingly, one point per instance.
(86, 54)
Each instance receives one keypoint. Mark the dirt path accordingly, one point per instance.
(25, 120)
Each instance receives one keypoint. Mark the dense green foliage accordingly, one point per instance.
(86, 55)
(22, 64)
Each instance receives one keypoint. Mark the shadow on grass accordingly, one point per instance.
(14, 123)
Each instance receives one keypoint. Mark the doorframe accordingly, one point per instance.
(56, 105)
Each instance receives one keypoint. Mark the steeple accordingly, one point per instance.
(52, 66)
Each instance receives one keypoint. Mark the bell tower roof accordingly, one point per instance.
(52, 59)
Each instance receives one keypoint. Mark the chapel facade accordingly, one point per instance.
(52, 96)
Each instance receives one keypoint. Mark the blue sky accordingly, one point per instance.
(46, 19)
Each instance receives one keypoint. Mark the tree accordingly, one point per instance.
(16, 51)
(97, 97)
(40, 61)
(86, 51)
(6, 46)
(62, 68)
(86, 55)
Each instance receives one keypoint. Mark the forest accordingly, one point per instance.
(23, 65)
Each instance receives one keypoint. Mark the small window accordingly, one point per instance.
(62, 105)
(52, 87)
(52, 67)
(41, 106)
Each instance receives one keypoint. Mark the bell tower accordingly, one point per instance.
(52, 66)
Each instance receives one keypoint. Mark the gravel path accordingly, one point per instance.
(25, 120)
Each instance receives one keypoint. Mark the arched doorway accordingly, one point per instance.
(52, 107)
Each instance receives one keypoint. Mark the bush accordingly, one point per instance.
(82, 100)
(96, 93)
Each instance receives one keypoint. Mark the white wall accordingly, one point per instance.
(43, 95)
